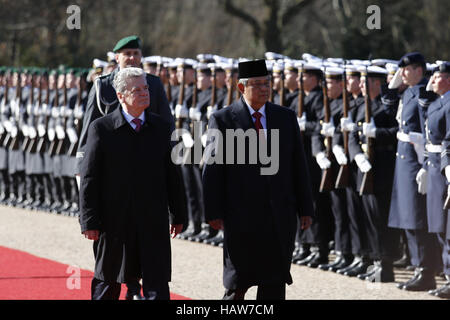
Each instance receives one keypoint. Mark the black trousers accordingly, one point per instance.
(424, 249)
(101, 290)
(265, 292)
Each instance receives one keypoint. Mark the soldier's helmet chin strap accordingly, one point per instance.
(100, 100)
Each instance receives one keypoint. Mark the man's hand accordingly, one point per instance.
(175, 229)
(91, 234)
(216, 224)
(305, 222)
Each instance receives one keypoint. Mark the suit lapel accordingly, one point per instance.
(242, 116)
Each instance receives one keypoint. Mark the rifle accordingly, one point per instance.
(342, 179)
(213, 104)
(447, 202)
(281, 92)
(367, 181)
(194, 102)
(326, 183)
(230, 91)
(33, 143)
(14, 142)
(179, 120)
(53, 144)
(3, 105)
(74, 146)
(40, 148)
(62, 142)
(27, 139)
(301, 96)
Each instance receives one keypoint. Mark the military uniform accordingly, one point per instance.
(408, 206)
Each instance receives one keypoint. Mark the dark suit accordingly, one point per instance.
(128, 183)
(259, 211)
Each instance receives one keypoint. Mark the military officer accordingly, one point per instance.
(437, 165)
(408, 206)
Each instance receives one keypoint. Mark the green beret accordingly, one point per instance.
(131, 42)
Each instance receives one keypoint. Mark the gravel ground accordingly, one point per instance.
(197, 268)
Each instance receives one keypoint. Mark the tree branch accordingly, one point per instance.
(247, 18)
(293, 10)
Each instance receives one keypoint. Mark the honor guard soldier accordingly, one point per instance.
(408, 205)
(290, 84)
(313, 242)
(437, 166)
(327, 140)
(348, 124)
(372, 147)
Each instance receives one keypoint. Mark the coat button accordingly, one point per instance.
(402, 157)
(359, 123)
(396, 154)
(429, 162)
(404, 123)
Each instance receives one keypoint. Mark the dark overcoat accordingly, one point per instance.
(408, 207)
(128, 186)
(259, 211)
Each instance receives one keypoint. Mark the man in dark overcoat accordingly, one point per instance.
(128, 187)
(257, 208)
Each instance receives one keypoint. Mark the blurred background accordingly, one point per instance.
(35, 32)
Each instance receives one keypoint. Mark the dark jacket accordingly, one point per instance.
(128, 185)
(259, 211)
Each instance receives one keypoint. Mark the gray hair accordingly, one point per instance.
(120, 80)
(244, 81)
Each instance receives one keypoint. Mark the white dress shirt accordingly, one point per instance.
(130, 118)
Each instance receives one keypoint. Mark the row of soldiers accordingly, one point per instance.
(364, 128)
(40, 119)
(366, 131)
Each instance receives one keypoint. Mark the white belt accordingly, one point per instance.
(433, 148)
(404, 137)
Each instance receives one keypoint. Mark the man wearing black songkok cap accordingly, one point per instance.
(257, 210)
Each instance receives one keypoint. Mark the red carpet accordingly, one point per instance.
(27, 277)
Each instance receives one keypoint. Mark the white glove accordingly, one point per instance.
(78, 113)
(369, 129)
(323, 161)
(187, 140)
(14, 131)
(421, 179)
(60, 132)
(328, 129)
(8, 125)
(41, 130)
(210, 110)
(204, 139)
(55, 112)
(51, 134)
(447, 173)
(181, 111)
(72, 135)
(194, 114)
(362, 162)
(32, 132)
(302, 122)
(341, 158)
(347, 124)
(25, 130)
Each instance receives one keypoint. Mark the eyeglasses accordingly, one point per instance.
(260, 85)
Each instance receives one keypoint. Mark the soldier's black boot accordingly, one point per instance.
(444, 291)
(206, 232)
(337, 260)
(358, 269)
(384, 273)
(303, 252)
(357, 260)
(190, 231)
(217, 240)
(424, 280)
(321, 257)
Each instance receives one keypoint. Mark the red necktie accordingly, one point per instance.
(258, 123)
(137, 122)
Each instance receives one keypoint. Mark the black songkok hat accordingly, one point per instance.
(252, 69)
